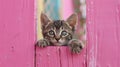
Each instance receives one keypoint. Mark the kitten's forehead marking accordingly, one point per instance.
(58, 24)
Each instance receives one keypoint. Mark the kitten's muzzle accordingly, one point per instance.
(57, 39)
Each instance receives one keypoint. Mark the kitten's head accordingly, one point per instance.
(58, 32)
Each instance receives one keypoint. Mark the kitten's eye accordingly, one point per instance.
(51, 32)
(64, 33)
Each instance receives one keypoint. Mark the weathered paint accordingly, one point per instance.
(47, 57)
(17, 33)
(53, 56)
(38, 9)
(52, 9)
(103, 33)
(17, 36)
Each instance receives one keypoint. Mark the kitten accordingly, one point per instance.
(59, 32)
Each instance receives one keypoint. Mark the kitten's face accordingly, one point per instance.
(58, 32)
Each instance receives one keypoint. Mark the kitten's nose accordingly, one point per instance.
(57, 38)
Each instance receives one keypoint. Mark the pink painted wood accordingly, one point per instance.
(47, 57)
(53, 56)
(67, 11)
(103, 17)
(17, 33)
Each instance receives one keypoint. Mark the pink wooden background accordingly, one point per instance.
(103, 33)
(18, 34)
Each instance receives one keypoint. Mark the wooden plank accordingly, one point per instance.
(53, 56)
(17, 33)
(69, 59)
(118, 31)
(47, 57)
(103, 43)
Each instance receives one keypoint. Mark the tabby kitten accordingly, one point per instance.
(59, 32)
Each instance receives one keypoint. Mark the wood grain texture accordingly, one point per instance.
(53, 56)
(47, 57)
(103, 33)
(17, 33)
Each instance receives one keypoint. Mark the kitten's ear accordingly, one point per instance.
(72, 20)
(44, 19)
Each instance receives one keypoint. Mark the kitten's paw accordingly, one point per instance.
(43, 43)
(76, 46)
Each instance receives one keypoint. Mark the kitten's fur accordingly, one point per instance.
(59, 32)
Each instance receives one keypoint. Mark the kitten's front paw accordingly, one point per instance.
(76, 46)
(43, 43)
